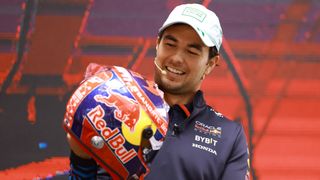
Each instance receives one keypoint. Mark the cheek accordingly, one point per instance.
(159, 54)
(196, 64)
(197, 69)
(164, 52)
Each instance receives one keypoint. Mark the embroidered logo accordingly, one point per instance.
(205, 140)
(195, 13)
(206, 129)
(204, 148)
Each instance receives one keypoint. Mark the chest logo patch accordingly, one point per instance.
(205, 140)
(206, 129)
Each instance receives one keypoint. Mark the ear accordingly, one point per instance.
(214, 61)
(157, 43)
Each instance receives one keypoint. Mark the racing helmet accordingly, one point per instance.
(114, 115)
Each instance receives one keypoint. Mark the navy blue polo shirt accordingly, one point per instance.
(201, 144)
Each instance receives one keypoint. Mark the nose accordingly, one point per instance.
(177, 57)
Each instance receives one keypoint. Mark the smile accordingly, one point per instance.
(175, 71)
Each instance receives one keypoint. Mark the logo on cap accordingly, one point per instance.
(195, 13)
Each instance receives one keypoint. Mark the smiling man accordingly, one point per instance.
(200, 143)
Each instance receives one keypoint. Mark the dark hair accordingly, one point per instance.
(213, 51)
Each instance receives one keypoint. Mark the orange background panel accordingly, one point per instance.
(52, 44)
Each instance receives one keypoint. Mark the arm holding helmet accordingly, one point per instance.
(107, 128)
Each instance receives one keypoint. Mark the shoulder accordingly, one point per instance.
(230, 129)
(222, 120)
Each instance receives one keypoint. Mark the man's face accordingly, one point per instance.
(184, 57)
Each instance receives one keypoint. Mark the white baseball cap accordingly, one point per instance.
(202, 20)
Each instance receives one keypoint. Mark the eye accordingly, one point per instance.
(169, 44)
(193, 52)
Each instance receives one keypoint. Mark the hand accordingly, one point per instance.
(76, 148)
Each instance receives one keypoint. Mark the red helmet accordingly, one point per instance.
(112, 115)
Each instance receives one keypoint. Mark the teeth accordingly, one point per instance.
(176, 71)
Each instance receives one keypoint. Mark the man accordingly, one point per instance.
(200, 143)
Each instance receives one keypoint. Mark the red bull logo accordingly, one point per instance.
(206, 129)
(127, 110)
(113, 136)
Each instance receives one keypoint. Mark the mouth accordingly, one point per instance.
(174, 71)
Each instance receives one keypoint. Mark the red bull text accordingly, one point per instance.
(112, 136)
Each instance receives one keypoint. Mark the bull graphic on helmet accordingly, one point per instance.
(113, 115)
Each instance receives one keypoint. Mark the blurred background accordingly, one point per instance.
(268, 79)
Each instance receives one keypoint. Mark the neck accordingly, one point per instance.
(173, 99)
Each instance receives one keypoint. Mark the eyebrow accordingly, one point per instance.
(193, 45)
(170, 37)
